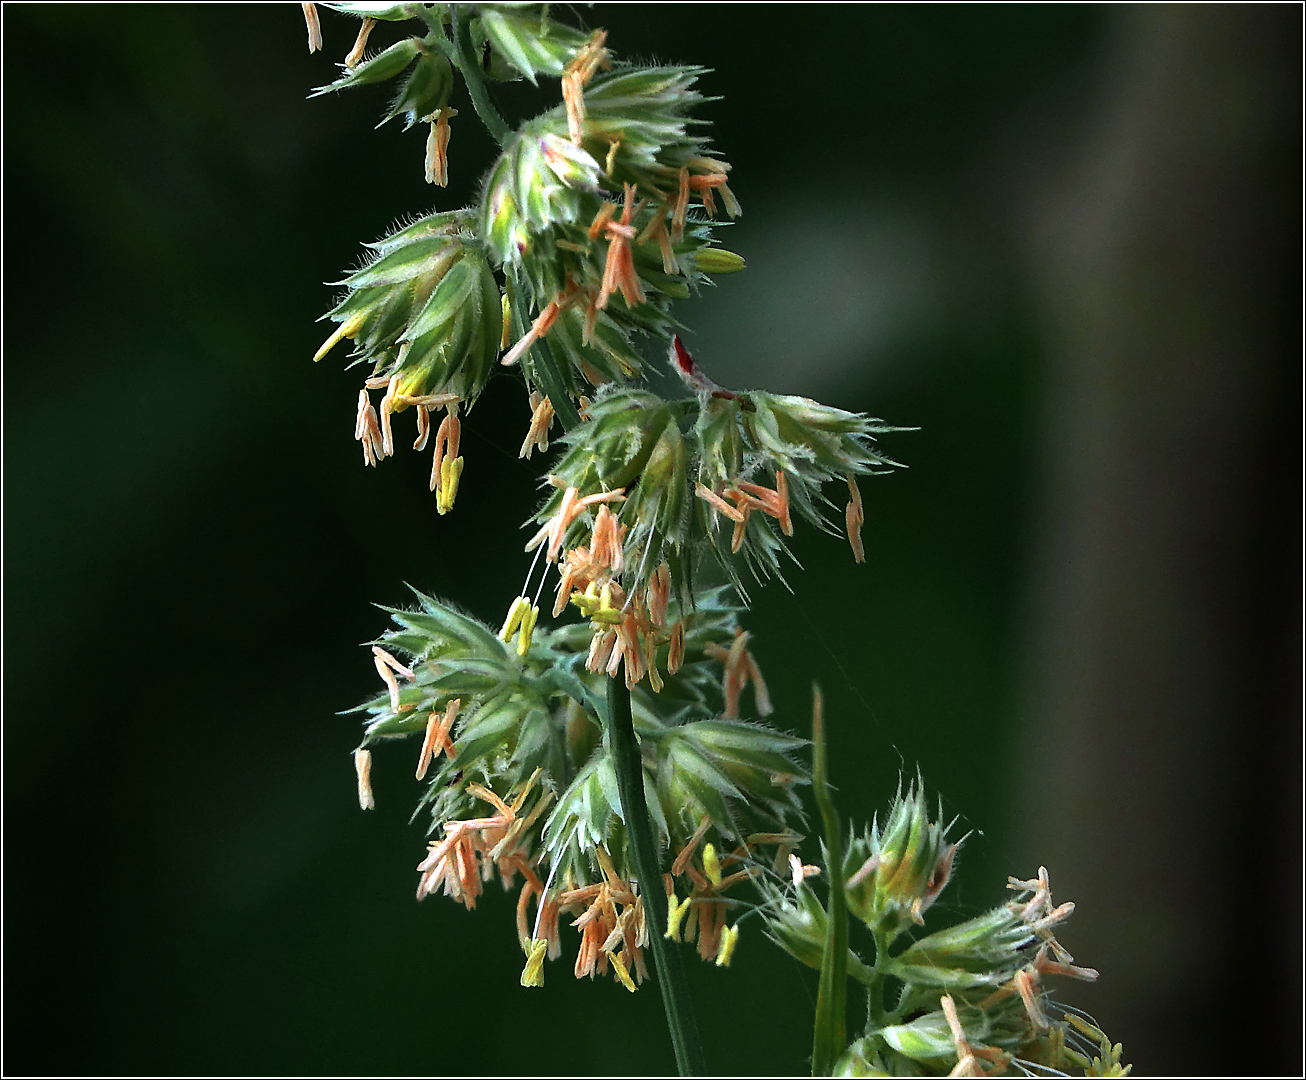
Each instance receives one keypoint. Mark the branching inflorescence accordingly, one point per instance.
(598, 215)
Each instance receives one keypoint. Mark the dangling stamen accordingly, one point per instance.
(387, 406)
(854, 516)
(537, 435)
(423, 428)
(314, 27)
(676, 647)
(680, 207)
(446, 464)
(659, 594)
(579, 70)
(437, 148)
(366, 430)
(386, 666)
(717, 503)
(604, 215)
(543, 323)
(355, 56)
(363, 768)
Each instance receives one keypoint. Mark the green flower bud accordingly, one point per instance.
(864, 1058)
(446, 223)
(539, 182)
(643, 111)
(894, 875)
(502, 224)
(529, 42)
(726, 770)
(383, 66)
(426, 308)
(659, 497)
(573, 166)
(984, 951)
(586, 813)
(755, 758)
(718, 261)
(583, 734)
(401, 264)
(632, 442)
(929, 1038)
(613, 447)
(452, 342)
(427, 90)
(798, 925)
(814, 442)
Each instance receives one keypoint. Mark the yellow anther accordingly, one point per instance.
(533, 973)
(622, 973)
(1095, 1033)
(605, 612)
(506, 335)
(346, 329)
(654, 676)
(527, 628)
(711, 865)
(727, 948)
(450, 470)
(588, 601)
(515, 615)
(585, 602)
(675, 913)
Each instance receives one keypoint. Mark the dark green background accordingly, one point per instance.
(192, 546)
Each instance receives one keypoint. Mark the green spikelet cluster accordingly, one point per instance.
(519, 725)
(611, 759)
(967, 996)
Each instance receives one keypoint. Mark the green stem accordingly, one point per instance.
(549, 372)
(875, 1015)
(465, 58)
(667, 966)
(829, 1035)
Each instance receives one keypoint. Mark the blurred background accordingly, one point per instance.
(1062, 241)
